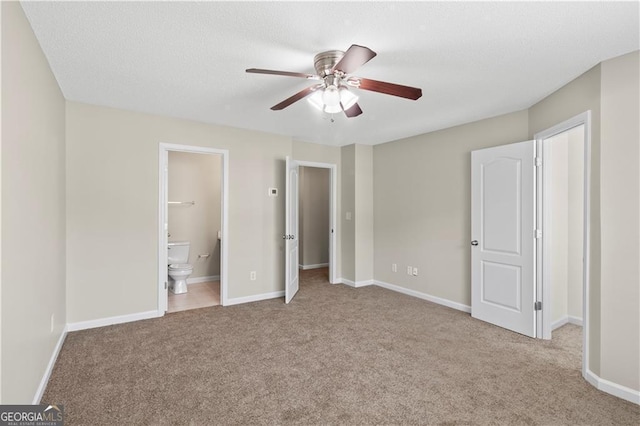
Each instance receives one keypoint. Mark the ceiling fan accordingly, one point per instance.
(332, 94)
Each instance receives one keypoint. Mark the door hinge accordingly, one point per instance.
(537, 306)
(537, 233)
(165, 285)
(537, 161)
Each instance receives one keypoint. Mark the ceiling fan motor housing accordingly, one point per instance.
(325, 61)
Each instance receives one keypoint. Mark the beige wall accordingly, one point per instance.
(357, 213)
(620, 210)
(347, 212)
(578, 96)
(314, 216)
(363, 211)
(422, 205)
(112, 207)
(33, 209)
(198, 178)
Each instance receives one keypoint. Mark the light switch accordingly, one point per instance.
(348, 215)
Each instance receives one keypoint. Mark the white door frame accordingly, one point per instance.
(333, 206)
(543, 216)
(163, 187)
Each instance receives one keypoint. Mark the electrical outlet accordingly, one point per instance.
(409, 270)
(53, 321)
(252, 275)
(394, 267)
(415, 272)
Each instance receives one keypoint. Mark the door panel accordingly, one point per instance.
(500, 206)
(502, 222)
(291, 230)
(501, 285)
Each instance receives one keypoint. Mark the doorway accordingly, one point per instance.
(291, 237)
(313, 220)
(563, 224)
(512, 232)
(193, 205)
(194, 219)
(563, 199)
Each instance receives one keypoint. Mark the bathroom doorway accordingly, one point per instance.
(194, 218)
(192, 211)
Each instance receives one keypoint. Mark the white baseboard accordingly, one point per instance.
(567, 319)
(102, 322)
(316, 266)
(198, 280)
(254, 298)
(47, 372)
(355, 284)
(420, 295)
(611, 388)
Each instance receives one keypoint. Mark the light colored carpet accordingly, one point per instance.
(335, 355)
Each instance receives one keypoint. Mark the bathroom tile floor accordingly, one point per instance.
(200, 295)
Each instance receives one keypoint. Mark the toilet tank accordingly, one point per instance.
(178, 252)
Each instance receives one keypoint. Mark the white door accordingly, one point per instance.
(502, 234)
(291, 231)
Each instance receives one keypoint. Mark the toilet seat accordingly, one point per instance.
(175, 266)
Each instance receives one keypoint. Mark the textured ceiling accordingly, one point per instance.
(188, 59)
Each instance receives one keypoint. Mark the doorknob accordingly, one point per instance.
(474, 242)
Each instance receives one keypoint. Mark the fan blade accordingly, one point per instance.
(295, 98)
(386, 88)
(285, 73)
(354, 111)
(355, 57)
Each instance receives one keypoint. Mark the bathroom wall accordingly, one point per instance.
(198, 178)
(314, 216)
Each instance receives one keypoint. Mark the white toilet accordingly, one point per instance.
(179, 269)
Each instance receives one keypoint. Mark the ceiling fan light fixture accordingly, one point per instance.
(332, 109)
(347, 99)
(316, 100)
(331, 96)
